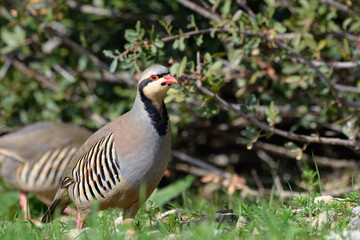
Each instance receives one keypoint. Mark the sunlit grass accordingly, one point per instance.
(193, 218)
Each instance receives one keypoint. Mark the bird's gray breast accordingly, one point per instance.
(146, 165)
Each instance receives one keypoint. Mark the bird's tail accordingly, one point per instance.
(61, 201)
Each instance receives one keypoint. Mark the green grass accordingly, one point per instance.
(291, 219)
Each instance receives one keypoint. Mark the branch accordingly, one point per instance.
(246, 8)
(293, 136)
(283, 36)
(8, 61)
(321, 161)
(346, 35)
(32, 74)
(65, 74)
(197, 162)
(339, 65)
(341, 7)
(202, 11)
(89, 9)
(347, 88)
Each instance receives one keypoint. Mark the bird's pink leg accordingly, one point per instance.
(24, 206)
(70, 211)
(80, 225)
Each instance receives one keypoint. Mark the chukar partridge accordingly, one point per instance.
(127, 154)
(34, 158)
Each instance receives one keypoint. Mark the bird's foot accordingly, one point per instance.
(80, 224)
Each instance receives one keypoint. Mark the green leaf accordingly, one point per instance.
(175, 44)
(279, 27)
(7, 49)
(292, 147)
(182, 67)
(354, 27)
(7, 36)
(108, 53)
(158, 43)
(225, 8)
(192, 23)
(207, 57)
(272, 114)
(218, 55)
(216, 66)
(137, 26)
(113, 65)
(321, 44)
(19, 34)
(249, 136)
(181, 44)
(174, 69)
(199, 40)
(349, 129)
(253, 103)
(131, 35)
(164, 195)
(347, 22)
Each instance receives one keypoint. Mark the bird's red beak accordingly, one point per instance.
(169, 80)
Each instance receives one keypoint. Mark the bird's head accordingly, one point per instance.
(154, 82)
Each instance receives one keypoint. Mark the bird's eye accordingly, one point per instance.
(154, 77)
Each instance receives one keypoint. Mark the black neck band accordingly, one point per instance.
(160, 119)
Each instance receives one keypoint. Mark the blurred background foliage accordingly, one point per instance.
(78, 61)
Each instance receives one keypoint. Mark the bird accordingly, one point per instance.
(33, 158)
(124, 157)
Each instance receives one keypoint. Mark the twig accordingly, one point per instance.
(336, 65)
(293, 136)
(347, 88)
(257, 180)
(200, 10)
(194, 161)
(341, 7)
(8, 61)
(64, 73)
(246, 8)
(89, 9)
(267, 159)
(321, 161)
(339, 65)
(346, 35)
(107, 76)
(278, 185)
(42, 79)
(197, 171)
(283, 36)
(205, 4)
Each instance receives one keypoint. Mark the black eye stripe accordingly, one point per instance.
(159, 75)
(162, 74)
